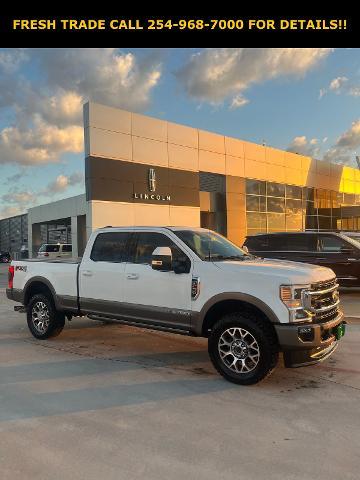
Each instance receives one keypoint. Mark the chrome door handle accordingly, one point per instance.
(87, 273)
(132, 276)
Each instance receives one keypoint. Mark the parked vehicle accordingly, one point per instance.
(190, 281)
(5, 257)
(55, 250)
(329, 249)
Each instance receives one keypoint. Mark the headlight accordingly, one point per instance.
(292, 297)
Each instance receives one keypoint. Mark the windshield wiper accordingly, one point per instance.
(228, 257)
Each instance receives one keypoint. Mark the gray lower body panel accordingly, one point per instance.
(144, 314)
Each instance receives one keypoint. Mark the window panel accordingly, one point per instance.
(252, 203)
(276, 205)
(255, 187)
(256, 220)
(293, 206)
(294, 222)
(109, 247)
(276, 221)
(293, 191)
(275, 189)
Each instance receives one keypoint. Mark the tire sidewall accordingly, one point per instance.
(266, 354)
(56, 323)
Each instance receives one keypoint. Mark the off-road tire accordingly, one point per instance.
(266, 342)
(56, 320)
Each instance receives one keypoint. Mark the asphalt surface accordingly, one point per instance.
(114, 402)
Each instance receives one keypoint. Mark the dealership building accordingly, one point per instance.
(141, 170)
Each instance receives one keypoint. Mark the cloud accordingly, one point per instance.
(341, 85)
(39, 142)
(63, 182)
(303, 146)
(214, 75)
(344, 150)
(47, 106)
(10, 211)
(20, 200)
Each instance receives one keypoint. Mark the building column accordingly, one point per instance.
(34, 239)
(74, 236)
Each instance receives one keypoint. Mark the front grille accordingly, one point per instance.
(323, 300)
(323, 285)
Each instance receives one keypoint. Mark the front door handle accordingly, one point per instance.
(132, 276)
(87, 273)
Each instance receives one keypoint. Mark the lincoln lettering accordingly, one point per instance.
(152, 196)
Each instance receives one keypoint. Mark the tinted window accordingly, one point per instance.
(257, 243)
(147, 242)
(109, 247)
(331, 243)
(293, 192)
(275, 189)
(255, 187)
(67, 248)
(298, 242)
(51, 248)
(288, 242)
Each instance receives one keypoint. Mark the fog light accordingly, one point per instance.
(306, 334)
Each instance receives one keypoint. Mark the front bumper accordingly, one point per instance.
(316, 345)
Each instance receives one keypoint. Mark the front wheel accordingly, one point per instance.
(43, 320)
(243, 348)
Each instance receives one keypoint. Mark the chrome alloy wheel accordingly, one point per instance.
(239, 350)
(40, 317)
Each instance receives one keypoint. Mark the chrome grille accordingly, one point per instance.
(322, 300)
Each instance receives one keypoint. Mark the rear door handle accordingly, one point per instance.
(132, 276)
(87, 273)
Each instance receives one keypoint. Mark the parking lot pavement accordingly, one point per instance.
(114, 402)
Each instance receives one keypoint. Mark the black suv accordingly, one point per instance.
(329, 249)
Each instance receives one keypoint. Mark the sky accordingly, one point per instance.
(301, 100)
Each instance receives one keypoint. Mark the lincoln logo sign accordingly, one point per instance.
(152, 180)
(152, 189)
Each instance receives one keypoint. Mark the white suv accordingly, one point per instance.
(56, 250)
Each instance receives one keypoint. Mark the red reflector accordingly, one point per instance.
(11, 277)
(46, 254)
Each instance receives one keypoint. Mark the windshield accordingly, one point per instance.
(354, 239)
(211, 246)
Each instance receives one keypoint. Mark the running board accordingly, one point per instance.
(149, 326)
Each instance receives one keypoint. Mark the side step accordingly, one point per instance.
(150, 326)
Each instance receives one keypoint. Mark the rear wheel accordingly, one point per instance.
(44, 321)
(243, 348)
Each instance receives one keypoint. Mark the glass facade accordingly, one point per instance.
(14, 234)
(273, 207)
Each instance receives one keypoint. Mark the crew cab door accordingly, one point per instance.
(151, 296)
(101, 274)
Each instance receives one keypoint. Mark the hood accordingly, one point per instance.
(284, 271)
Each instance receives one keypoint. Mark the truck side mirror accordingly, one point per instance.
(161, 259)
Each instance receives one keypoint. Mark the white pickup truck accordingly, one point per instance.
(191, 281)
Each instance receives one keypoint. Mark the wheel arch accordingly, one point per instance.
(230, 302)
(39, 285)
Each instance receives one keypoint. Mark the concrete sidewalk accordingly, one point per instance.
(113, 402)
